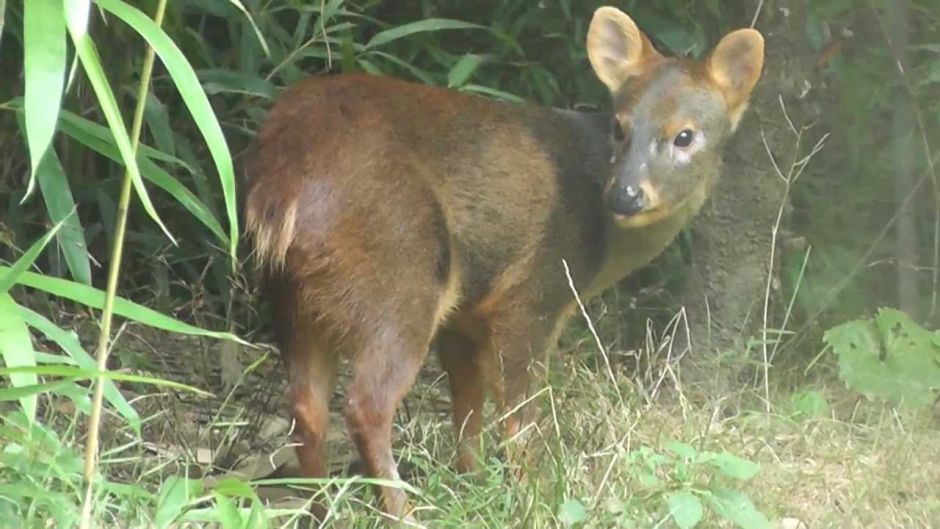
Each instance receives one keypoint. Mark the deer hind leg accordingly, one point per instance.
(384, 370)
(311, 360)
(461, 357)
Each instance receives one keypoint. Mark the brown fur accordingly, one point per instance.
(387, 216)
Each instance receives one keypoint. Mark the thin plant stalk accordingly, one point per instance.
(107, 313)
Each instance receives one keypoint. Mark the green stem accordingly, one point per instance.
(114, 273)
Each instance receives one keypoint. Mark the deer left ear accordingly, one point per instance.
(735, 66)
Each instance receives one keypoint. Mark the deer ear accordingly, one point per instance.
(735, 65)
(616, 47)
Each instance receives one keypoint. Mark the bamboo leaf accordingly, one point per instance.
(61, 208)
(77, 373)
(94, 298)
(88, 55)
(44, 77)
(73, 348)
(26, 260)
(193, 96)
(16, 347)
(421, 26)
(156, 175)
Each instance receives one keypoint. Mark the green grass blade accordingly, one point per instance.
(26, 260)
(91, 62)
(421, 26)
(77, 373)
(193, 96)
(16, 347)
(73, 348)
(94, 298)
(44, 76)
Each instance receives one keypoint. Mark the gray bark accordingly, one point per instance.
(731, 238)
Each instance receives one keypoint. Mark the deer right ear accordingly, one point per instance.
(616, 47)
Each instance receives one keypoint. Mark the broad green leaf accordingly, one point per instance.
(890, 357)
(73, 348)
(734, 466)
(257, 516)
(16, 347)
(91, 62)
(44, 76)
(232, 486)
(809, 403)
(26, 260)
(173, 499)
(683, 450)
(193, 96)
(462, 71)
(227, 511)
(734, 506)
(94, 298)
(572, 512)
(421, 26)
(685, 508)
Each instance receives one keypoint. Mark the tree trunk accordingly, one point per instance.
(732, 238)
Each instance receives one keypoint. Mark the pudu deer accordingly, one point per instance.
(389, 218)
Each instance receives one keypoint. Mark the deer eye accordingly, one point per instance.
(684, 138)
(616, 130)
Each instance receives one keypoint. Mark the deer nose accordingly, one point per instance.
(626, 200)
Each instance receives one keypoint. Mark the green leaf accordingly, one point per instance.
(572, 512)
(158, 123)
(173, 498)
(76, 18)
(16, 347)
(683, 450)
(88, 55)
(227, 511)
(60, 205)
(195, 99)
(26, 260)
(421, 26)
(29, 391)
(889, 357)
(218, 81)
(69, 343)
(734, 506)
(87, 131)
(94, 298)
(809, 403)
(492, 92)
(685, 508)
(76, 373)
(44, 76)
(159, 177)
(734, 466)
(462, 71)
